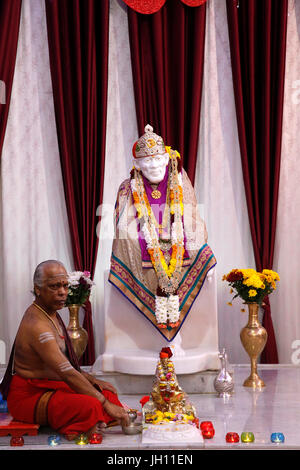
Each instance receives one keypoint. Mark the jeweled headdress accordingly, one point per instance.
(149, 144)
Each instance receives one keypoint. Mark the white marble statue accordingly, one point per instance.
(160, 262)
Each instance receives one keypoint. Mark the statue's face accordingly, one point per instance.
(153, 168)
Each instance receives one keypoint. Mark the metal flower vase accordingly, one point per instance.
(77, 334)
(253, 337)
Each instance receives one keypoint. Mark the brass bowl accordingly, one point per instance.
(133, 428)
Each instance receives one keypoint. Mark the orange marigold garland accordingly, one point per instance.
(169, 275)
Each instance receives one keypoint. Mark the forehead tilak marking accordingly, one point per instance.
(55, 276)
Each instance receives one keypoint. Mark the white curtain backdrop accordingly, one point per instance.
(34, 223)
(121, 134)
(219, 181)
(285, 302)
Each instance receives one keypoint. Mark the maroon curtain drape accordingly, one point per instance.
(167, 54)
(9, 32)
(257, 34)
(78, 48)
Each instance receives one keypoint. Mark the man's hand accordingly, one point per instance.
(105, 386)
(116, 412)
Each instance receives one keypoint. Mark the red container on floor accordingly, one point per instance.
(208, 433)
(95, 438)
(17, 441)
(232, 437)
(206, 425)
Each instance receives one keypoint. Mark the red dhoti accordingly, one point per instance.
(54, 403)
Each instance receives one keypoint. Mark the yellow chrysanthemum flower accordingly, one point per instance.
(272, 274)
(248, 272)
(252, 293)
(254, 281)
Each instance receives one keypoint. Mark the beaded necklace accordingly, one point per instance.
(50, 319)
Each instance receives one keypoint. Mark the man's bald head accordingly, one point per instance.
(47, 268)
(51, 285)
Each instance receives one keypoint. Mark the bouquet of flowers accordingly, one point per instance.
(80, 285)
(251, 286)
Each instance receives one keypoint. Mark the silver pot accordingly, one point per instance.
(132, 428)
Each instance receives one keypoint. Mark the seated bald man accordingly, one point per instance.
(43, 382)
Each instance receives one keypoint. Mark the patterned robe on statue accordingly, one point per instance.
(131, 269)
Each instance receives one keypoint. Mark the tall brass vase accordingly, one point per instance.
(78, 335)
(253, 338)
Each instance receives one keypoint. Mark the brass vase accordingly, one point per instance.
(78, 335)
(253, 338)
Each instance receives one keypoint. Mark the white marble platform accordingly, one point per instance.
(195, 347)
(276, 408)
(131, 384)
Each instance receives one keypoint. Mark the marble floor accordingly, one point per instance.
(275, 408)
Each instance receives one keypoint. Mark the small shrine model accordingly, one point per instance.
(168, 415)
(167, 393)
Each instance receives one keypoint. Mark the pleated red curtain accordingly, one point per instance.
(78, 48)
(10, 13)
(257, 34)
(167, 55)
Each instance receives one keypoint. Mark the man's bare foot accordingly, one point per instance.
(70, 437)
(96, 429)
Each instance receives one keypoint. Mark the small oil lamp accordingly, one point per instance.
(277, 437)
(208, 433)
(206, 425)
(54, 440)
(207, 429)
(17, 441)
(82, 440)
(95, 438)
(3, 406)
(247, 437)
(232, 437)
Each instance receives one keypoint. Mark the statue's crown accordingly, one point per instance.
(149, 144)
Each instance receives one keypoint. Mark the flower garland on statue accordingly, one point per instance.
(166, 308)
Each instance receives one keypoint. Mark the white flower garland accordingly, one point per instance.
(167, 309)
